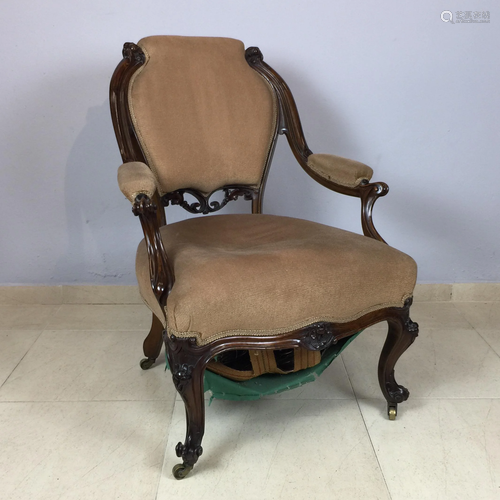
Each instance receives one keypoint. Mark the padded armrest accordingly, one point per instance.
(136, 178)
(340, 170)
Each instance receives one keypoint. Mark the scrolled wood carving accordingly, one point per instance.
(397, 393)
(143, 205)
(411, 326)
(184, 451)
(203, 205)
(182, 371)
(183, 357)
(133, 53)
(253, 55)
(318, 336)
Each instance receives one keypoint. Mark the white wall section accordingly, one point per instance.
(386, 83)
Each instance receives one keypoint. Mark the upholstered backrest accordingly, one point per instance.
(203, 117)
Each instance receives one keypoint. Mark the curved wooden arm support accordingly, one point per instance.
(161, 271)
(291, 126)
(369, 194)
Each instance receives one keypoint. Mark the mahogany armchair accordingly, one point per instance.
(193, 116)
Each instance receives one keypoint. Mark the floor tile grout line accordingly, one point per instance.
(489, 345)
(44, 325)
(61, 401)
(165, 449)
(65, 401)
(109, 330)
(366, 428)
(179, 400)
(438, 398)
(463, 316)
(21, 360)
(475, 329)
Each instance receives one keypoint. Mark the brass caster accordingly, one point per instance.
(180, 471)
(392, 411)
(147, 363)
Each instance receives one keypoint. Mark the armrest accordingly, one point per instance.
(138, 183)
(136, 178)
(342, 171)
(351, 178)
(338, 174)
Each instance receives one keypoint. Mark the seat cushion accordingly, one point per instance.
(265, 274)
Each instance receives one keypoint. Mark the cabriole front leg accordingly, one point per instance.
(187, 373)
(402, 333)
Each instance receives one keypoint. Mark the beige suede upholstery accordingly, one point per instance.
(217, 115)
(264, 274)
(340, 170)
(135, 178)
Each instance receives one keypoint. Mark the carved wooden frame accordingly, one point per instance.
(186, 358)
(291, 127)
(203, 205)
(188, 361)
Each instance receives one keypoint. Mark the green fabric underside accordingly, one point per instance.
(223, 388)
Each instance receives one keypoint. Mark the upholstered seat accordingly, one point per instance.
(248, 275)
(243, 295)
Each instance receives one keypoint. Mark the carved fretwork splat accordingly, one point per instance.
(203, 205)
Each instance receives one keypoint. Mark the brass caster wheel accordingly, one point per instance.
(180, 471)
(392, 411)
(147, 363)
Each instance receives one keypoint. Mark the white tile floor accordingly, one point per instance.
(80, 420)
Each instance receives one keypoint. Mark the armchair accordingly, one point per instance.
(193, 116)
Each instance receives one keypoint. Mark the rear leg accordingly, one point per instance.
(152, 344)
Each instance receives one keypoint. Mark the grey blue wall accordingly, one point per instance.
(385, 82)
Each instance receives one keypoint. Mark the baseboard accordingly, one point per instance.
(63, 294)
(109, 294)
